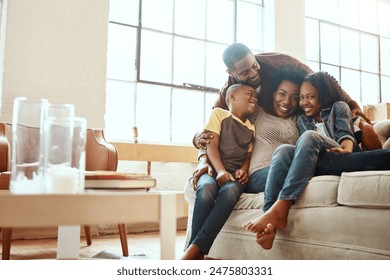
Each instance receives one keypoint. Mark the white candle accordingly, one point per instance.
(24, 185)
(62, 179)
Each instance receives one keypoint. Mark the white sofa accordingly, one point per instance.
(346, 217)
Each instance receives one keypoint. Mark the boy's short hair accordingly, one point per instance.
(231, 90)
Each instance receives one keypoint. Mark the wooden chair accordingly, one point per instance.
(100, 155)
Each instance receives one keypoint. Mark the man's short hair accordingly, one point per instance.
(233, 53)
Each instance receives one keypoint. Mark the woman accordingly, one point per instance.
(271, 131)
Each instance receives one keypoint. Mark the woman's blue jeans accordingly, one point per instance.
(293, 166)
(257, 181)
(213, 206)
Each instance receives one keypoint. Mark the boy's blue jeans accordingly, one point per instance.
(212, 208)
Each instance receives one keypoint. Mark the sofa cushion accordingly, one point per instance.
(250, 201)
(321, 191)
(370, 189)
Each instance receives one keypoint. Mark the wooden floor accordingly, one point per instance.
(141, 246)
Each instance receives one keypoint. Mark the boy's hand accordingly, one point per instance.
(223, 177)
(242, 176)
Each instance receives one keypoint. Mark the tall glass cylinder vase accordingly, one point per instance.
(78, 150)
(57, 149)
(28, 115)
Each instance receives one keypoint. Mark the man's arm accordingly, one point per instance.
(354, 106)
(201, 139)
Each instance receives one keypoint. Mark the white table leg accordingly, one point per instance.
(68, 242)
(168, 226)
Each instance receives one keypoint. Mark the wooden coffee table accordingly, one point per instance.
(68, 212)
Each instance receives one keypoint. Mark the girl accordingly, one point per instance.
(325, 129)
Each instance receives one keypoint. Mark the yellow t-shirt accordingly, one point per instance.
(235, 138)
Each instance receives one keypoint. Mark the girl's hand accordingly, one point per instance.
(223, 177)
(339, 150)
(242, 176)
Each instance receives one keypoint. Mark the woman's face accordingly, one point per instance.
(286, 98)
(308, 100)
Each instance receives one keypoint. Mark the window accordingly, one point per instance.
(165, 63)
(350, 39)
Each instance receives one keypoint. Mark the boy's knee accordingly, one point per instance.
(234, 189)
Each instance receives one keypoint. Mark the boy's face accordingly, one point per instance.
(244, 100)
(286, 98)
(308, 100)
(246, 71)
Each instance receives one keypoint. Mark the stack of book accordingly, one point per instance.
(118, 180)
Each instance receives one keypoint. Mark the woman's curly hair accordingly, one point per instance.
(289, 72)
(328, 88)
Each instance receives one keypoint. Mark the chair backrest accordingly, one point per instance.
(5, 146)
(100, 155)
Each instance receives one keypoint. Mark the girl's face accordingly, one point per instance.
(308, 100)
(286, 98)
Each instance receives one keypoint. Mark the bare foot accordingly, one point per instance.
(266, 237)
(276, 215)
(193, 253)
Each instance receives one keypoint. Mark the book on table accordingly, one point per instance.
(118, 180)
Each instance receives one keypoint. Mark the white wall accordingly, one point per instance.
(290, 28)
(56, 49)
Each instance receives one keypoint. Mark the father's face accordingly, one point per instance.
(246, 71)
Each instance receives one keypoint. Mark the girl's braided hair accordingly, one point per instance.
(328, 88)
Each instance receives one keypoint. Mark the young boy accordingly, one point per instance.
(229, 155)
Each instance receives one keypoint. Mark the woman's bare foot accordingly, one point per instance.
(266, 237)
(276, 215)
(193, 253)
